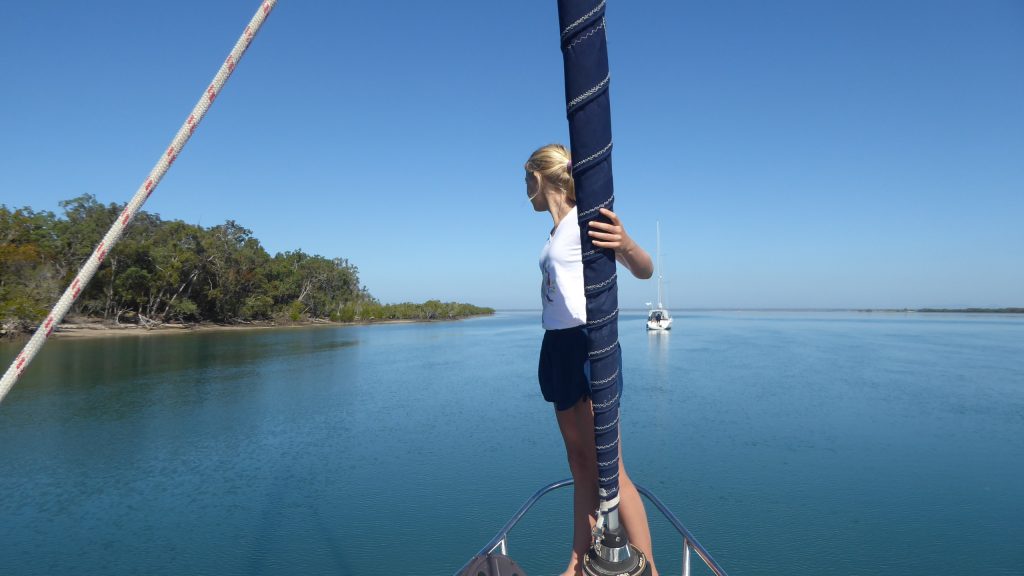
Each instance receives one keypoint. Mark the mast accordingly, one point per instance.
(588, 110)
(658, 225)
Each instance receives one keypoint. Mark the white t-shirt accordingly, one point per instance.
(561, 264)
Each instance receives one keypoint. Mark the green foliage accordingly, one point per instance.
(429, 310)
(28, 284)
(258, 307)
(183, 310)
(296, 311)
(173, 271)
(346, 314)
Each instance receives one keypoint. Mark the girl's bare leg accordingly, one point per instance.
(577, 427)
(633, 515)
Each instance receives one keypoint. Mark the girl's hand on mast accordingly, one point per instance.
(629, 253)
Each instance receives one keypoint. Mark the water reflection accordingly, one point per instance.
(658, 350)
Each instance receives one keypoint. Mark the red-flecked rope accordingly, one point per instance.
(114, 234)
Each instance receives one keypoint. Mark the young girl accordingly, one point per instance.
(563, 355)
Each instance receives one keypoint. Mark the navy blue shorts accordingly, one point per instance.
(564, 371)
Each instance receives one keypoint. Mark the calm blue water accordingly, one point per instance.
(789, 443)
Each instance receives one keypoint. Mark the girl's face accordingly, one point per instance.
(533, 191)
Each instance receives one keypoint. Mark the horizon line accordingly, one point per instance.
(818, 309)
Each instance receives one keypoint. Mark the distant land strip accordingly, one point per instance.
(806, 310)
(727, 309)
(975, 310)
(949, 310)
(901, 310)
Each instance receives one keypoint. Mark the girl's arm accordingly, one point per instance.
(627, 252)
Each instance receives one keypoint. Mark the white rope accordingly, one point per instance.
(593, 287)
(575, 101)
(609, 504)
(606, 426)
(593, 31)
(597, 353)
(603, 510)
(582, 19)
(584, 161)
(114, 234)
(598, 383)
(586, 213)
(602, 320)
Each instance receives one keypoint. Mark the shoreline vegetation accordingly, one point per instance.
(88, 328)
(169, 275)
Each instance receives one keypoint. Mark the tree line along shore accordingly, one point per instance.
(171, 272)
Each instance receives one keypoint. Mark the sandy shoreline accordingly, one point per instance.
(87, 329)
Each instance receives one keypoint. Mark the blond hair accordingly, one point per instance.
(554, 165)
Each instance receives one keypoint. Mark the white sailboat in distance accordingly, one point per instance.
(659, 318)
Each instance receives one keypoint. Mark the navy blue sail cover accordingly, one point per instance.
(585, 58)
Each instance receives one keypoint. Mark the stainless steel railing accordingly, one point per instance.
(500, 541)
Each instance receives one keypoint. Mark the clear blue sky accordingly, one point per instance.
(798, 153)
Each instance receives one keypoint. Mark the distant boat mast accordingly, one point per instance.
(658, 263)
